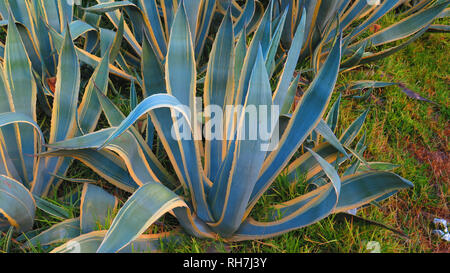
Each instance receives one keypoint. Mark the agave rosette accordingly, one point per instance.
(219, 181)
(25, 175)
(355, 17)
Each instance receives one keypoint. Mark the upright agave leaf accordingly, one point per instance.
(218, 83)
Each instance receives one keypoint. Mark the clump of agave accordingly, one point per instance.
(355, 17)
(25, 176)
(219, 181)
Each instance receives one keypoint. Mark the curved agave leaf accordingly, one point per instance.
(292, 206)
(115, 117)
(357, 190)
(307, 166)
(151, 103)
(305, 163)
(90, 242)
(79, 28)
(105, 163)
(143, 208)
(60, 232)
(16, 204)
(125, 146)
(360, 189)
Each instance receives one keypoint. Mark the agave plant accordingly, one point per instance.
(25, 176)
(355, 17)
(148, 30)
(221, 180)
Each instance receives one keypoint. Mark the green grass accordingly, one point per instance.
(400, 130)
